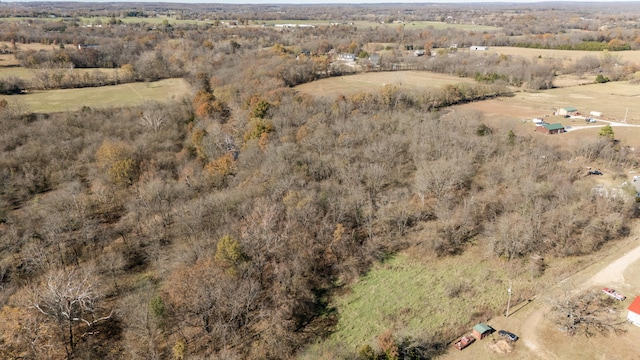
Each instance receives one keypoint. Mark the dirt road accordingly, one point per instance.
(611, 274)
(612, 123)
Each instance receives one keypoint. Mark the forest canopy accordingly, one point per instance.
(221, 224)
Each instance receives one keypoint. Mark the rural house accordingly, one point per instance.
(567, 111)
(347, 57)
(634, 312)
(550, 129)
(481, 331)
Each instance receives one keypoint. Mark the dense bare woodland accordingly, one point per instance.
(219, 226)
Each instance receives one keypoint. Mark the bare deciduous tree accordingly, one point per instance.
(70, 298)
(153, 118)
(588, 314)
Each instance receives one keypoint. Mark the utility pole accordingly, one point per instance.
(508, 302)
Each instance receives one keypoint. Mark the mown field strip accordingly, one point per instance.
(101, 97)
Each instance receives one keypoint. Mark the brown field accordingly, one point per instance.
(10, 59)
(30, 46)
(567, 56)
(374, 81)
(613, 99)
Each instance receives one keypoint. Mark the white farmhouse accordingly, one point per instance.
(634, 312)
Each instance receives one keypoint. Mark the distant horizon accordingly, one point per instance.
(321, 2)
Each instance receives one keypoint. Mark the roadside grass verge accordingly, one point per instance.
(445, 296)
(100, 97)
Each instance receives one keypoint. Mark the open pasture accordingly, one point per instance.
(100, 97)
(566, 56)
(9, 60)
(410, 297)
(29, 46)
(613, 99)
(374, 81)
(617, 101)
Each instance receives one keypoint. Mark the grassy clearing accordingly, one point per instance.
(26, 47)
(19, 72)
(374, 81)
(413, 297)
(613, 99)
(101, 97)
(566, 56)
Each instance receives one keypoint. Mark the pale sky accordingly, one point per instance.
(302, 2)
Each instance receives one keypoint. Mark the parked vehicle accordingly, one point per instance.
(614, 294)
(595, 172)
(464, 342)
(508, 335)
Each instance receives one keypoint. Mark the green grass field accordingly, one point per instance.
(16, 71)
(410, 297)
(101, 97)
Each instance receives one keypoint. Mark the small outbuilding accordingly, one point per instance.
(595, 113)
(550, 129)
(481, 331)
(567, 111)
(633, 316)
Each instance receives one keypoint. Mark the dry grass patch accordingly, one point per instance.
(30, 46)
(8, 60)
(566, 56)
(612, 99)
(374, 81)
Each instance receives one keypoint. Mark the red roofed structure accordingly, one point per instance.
(634, 312)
